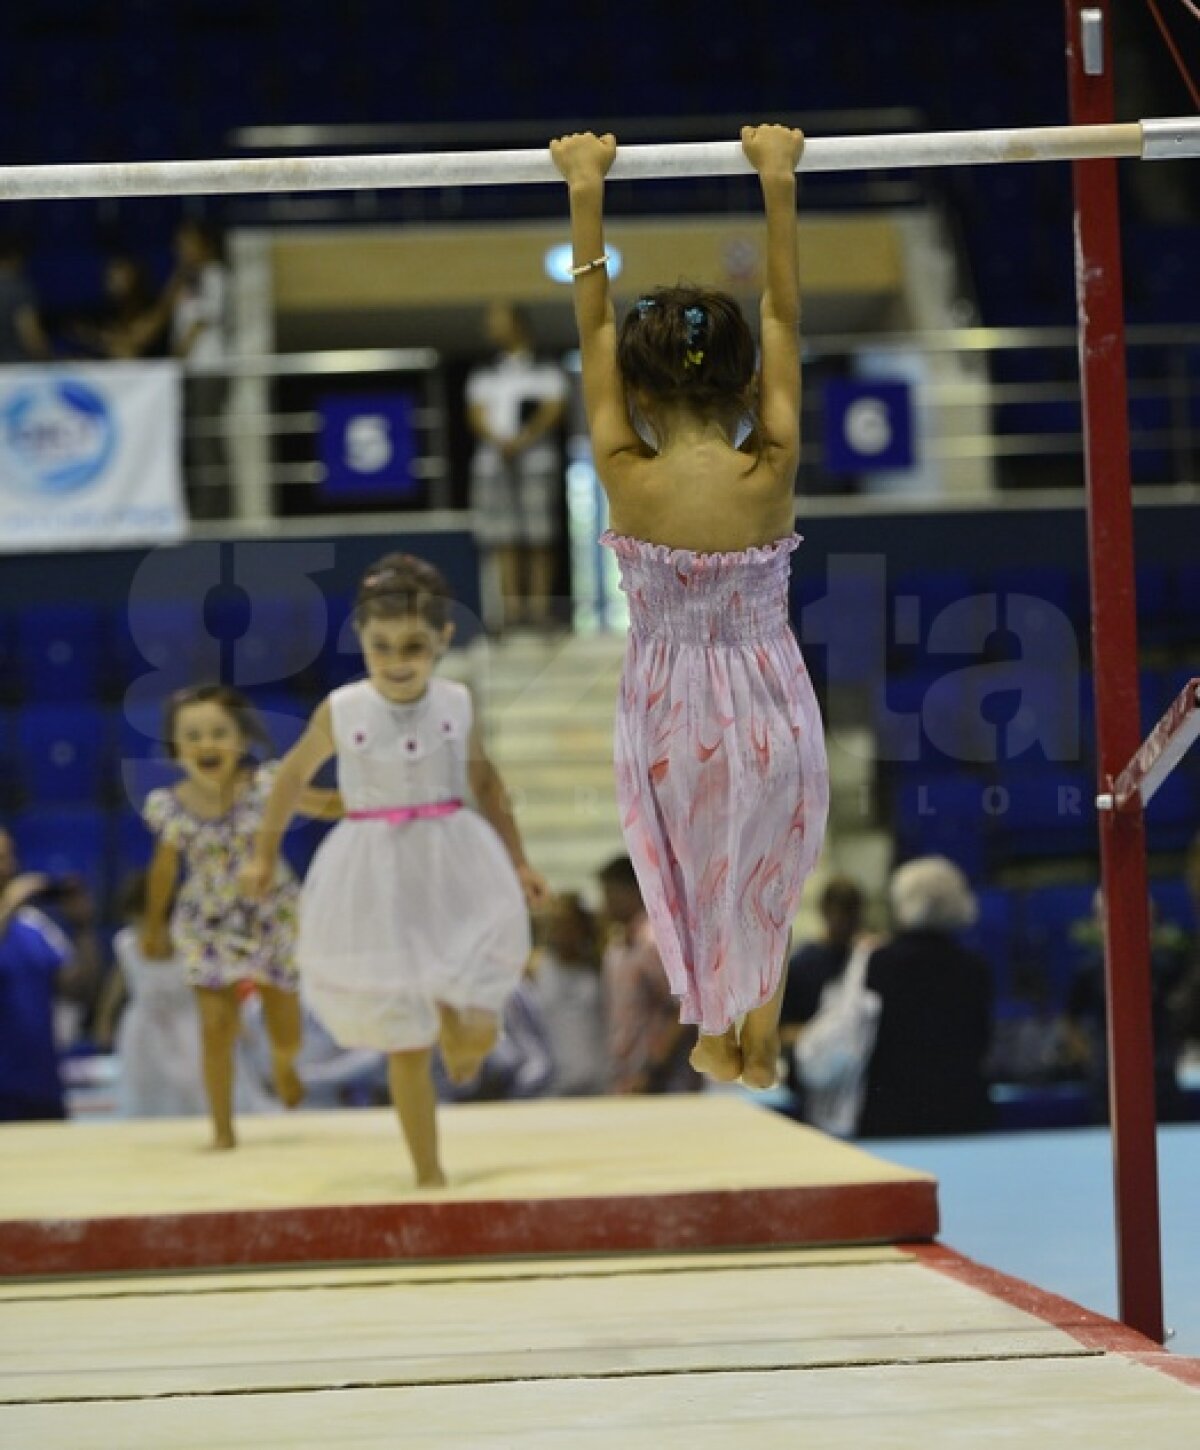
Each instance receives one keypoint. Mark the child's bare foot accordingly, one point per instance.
(466, 1039)
(761, 1069)
(718, 1057)
(288, 1085)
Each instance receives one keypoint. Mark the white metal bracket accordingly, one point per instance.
(1091, 31)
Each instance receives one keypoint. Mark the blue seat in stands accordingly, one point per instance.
(62, 753)
(943, 815)
(60, 651)
(1059, 932)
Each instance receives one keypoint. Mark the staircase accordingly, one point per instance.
(547, 715)
(546, 708)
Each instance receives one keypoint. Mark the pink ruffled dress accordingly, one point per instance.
(722, 780)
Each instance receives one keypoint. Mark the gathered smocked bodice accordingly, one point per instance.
(705, 599)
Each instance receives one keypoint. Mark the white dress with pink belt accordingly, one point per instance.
(412, 900)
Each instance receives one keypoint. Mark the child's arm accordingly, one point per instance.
(496, 808)
(296, 769)
(321, 804)
(584, 161)
(774, 152)
(548, 416)
(160, 890)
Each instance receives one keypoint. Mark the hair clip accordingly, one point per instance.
(643, 305)
(695, 317)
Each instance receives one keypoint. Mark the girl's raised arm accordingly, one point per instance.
(584, 161)
(774, 152)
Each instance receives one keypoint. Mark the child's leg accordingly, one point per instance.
(718, 1057)
(467, 1036)
(281, 1013)
(220, 1021)
(415, 1101)
(542, 563)
(508, 561)
(760, 1037)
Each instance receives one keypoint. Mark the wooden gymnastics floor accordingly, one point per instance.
(885, 1346)
(837, 1349)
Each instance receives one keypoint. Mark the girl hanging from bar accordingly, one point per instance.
(721, 773)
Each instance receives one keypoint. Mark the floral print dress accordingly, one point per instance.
(221, 937)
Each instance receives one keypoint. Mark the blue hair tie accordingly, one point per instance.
(643, 305)
(695, 319)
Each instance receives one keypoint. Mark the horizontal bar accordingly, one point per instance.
(1160, 752)
(633, 163)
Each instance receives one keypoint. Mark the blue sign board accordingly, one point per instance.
(868, 426)
(368, 445)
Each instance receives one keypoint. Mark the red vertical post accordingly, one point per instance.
(1115, 658)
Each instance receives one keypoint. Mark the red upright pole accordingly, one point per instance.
(1115, 657)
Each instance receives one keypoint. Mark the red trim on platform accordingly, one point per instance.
(1085, 1326)
(454, 1229)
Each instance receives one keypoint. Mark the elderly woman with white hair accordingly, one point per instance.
(926, 1072)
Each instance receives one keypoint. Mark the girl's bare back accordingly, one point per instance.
(708, 497)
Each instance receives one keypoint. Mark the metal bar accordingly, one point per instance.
(633, 163)
(1160, 752)
(1115, 651)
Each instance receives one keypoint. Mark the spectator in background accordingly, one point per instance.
(648, 1045)
(1030, 1044)
(39, 961)
(569, 989)
(816, 964)
(197, 303)
(333, 1076)
(521, 1065)
(514, 408)
(22, 337)
(1087, 1013)
(926, 1074)
(134, 323)
(157, 1043)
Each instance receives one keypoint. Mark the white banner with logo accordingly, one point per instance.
(89, 456)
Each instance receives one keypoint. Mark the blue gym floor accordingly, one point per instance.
(1040, 1206)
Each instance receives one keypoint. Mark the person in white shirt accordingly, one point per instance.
(568, 985)
(514, 408)
(198, 302)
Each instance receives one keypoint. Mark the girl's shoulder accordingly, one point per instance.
(357, 693)
(450, 692)
(454, 706)
(351, 706)
(165, 814)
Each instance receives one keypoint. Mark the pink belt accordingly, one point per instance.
(398, 815)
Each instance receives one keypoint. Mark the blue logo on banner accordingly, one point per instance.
(868, 426)
(60, 435)
(368, 445)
